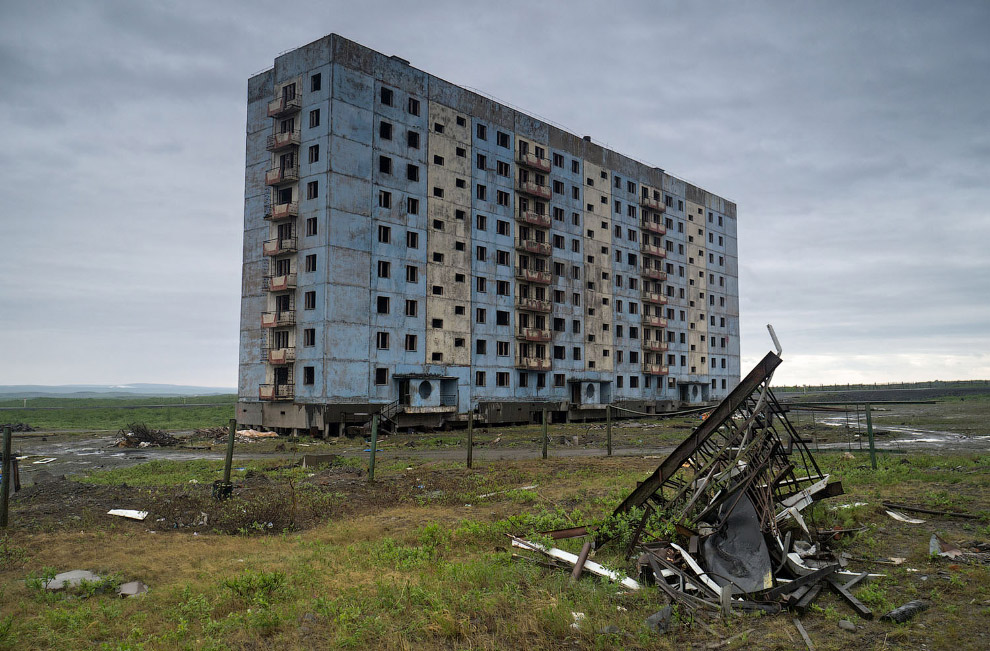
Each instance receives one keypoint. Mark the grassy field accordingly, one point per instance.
(115, 413)
(419, 559)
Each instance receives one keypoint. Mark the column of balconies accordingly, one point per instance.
(281, 210)
(535, 277)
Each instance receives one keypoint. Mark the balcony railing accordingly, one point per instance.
(535, 219)
(654, 369)
(283, 106)
(282, 174)
(531, 187)
(533, 334)
(448, 399)
(656, 251)
(654, 297)
(283, 211)
(282, 140)
(278, 246)
(534, 161)
(534, 363)
(532, 304)
(279, 283)
(652, 204)
(531, 276)
(654, 226)
(281, 355)
(276, 391)
(655, 274)
(654, 321)
(655, 346)
(534, 247)
(276, 319)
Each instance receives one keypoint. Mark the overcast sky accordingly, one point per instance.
(854, 137)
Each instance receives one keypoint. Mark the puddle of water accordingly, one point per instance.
(906, 436)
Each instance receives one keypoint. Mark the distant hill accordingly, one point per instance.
(108, 390)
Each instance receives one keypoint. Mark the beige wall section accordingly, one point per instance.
(452, 241)
(597, 234)
(696, 246)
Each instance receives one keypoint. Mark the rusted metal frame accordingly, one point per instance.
(658, 565)
(647, 512)
(759, 374)
(738, 491)
(918, 509)
(807, 579)
(573, 532)
(582, 559)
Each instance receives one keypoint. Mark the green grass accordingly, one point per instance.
(115, 413)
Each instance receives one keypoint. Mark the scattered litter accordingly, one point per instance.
(902, 517)
(71, 579)
(251, 434)
(132, 589)
(130, 514)
(848, 506)
(201, 520)
(521, 488)
(41, 461)
(659, 621)
(938, 546)
(906, 612)
(918, 509)
(578, 618)
(18, 427)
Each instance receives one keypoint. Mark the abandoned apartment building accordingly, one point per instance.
(415, 249)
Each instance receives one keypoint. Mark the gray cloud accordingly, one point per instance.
(852, 135)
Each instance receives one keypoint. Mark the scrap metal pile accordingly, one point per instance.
(729, 502)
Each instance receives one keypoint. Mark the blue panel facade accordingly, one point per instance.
(409, 241)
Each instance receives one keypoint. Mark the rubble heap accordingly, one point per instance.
(718, 525)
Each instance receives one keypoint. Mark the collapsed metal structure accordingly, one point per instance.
(733, 490)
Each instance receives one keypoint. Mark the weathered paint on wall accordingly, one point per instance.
(381, 201)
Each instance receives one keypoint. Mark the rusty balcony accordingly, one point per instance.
(534, 363)
(276, 319)
(654, 297)
(531, 187)
(653, 226)
(282, 174)
(284, 105)
(532, 276)
(282, 210)
(533, 161)
(655, 274)
(655, 346)
(279, 141)
(654, 321)
(654, 369)
(281, 356)
(276, 391)
(279, 246)
(279, 283)
(532, 304)
(533, 246)
(652, 204)
(533, 334)
(534, 218)
(655, 251)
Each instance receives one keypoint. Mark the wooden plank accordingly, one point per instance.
(861, 609)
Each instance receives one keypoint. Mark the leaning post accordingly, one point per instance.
(869, 434)
(608, 428)
(374, 447)
(231, 433)
(470, 438)
(545, 434)
(5, 488)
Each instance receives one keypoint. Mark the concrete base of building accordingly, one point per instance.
(353, 419)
